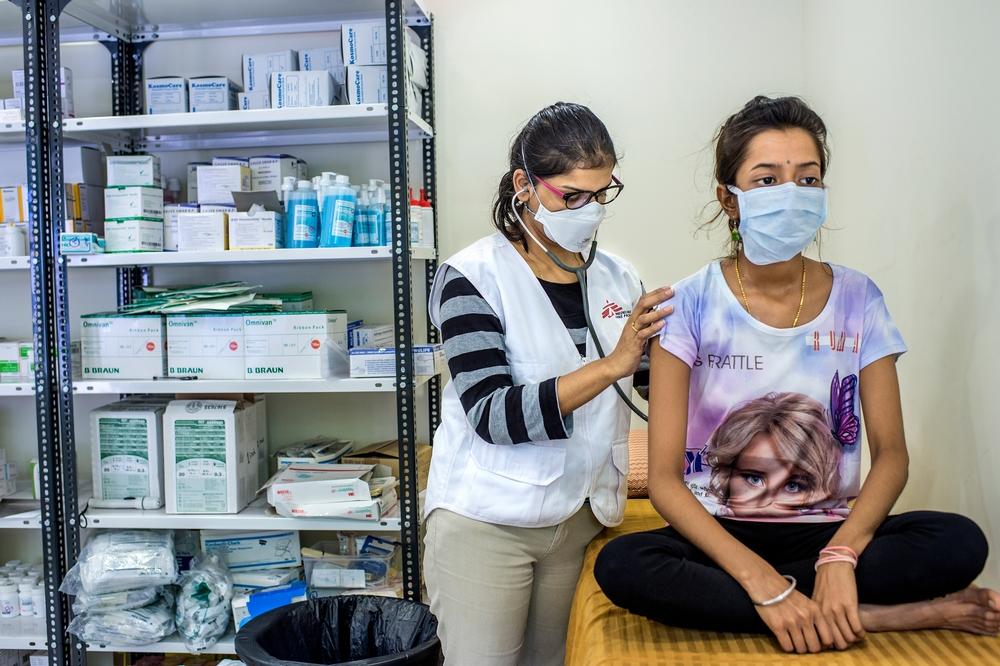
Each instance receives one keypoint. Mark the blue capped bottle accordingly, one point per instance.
(339, 213)
(303, 214)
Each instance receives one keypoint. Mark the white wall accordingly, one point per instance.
(906, 90)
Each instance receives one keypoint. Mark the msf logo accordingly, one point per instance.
(612, 310)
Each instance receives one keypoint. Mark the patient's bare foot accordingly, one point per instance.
(974, 609)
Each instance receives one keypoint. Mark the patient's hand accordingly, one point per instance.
(836, 594)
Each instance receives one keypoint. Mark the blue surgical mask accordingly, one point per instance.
(779, 222)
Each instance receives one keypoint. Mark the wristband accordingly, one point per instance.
(828, 559)
(781, 597)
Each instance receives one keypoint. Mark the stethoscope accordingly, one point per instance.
(581, 276)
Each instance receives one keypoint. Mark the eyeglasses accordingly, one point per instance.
(575, 200)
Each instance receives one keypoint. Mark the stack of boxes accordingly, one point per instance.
(133, 204)
(16, 103)
(176, 94)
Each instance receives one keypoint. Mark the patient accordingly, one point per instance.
(758, 387)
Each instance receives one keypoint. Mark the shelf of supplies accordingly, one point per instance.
(22, 633)
(173, 644)
(170, 386)
(16, 388)
(257, 516)
(344, 123)
(236, 257)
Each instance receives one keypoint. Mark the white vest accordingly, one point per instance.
(536, 484)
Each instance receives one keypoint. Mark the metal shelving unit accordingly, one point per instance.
(126, 29)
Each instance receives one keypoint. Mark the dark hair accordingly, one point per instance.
(557, 139)
(760, 115)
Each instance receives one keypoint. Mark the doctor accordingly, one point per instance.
(531, 456)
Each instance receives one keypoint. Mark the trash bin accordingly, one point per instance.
(351, 629)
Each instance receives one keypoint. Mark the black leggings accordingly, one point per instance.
(914, 556)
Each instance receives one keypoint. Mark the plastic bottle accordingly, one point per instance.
(416, 212)
(303, 215)
(362, 228)
(38, 601)
(287, 186)
(24, 599)
(339, 214)
(172, 194)
(317, 185)
(377, 213)
(9, 602)
(387, 198)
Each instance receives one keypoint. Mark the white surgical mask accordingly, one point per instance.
(777, 223)
(570, 229)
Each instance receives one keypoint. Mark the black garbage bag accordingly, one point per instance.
(353, 629)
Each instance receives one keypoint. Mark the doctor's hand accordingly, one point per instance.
(644, 323)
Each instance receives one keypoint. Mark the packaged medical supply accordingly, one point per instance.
(65, 89)
(10, 360)
(252, 101)
(204, 603)
(318, 450)
(296, 345)
(327, 566)
(127, 441)
(205, 345)
(302, 217)
(231, 161)
(212, 93)
(210, 450)
(125, 600)
(12, 204)
(268, 171)
(330, 59)
(170, 214)
(302, 89)
(9, 601)
(216, 184)
(371, 510)
(90, 202)
(123, 346)
(367, 84)
(192, 180)
(293, 302)
(320, 483)
(337, 220)
(258, 579)
(248, 606)
(134, 235)
(263, 230)
(372, 337)
(253, 550)
(138, 626)
(166, 94)
(365, 43)
(121, 560)
(386, 453)
(127, 202)
(217, 208)
(428, 360)
(143, 170)
(202, 232)
(258, 67)
(13, 241)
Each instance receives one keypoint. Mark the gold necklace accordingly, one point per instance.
(802, 298)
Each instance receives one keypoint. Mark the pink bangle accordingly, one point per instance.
(840, 550)
(829, 559)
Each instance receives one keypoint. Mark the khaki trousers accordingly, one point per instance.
(502, 595)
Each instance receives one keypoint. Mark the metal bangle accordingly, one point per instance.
(781, 597)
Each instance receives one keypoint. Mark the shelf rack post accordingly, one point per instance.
(430, 187)
(402, 295)
(50, 316)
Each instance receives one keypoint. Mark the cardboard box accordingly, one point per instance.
(127, 441)
(123, 346)
(254, 550)
(13, 204)
(428, 360)
(127, 202)
(257, 231)
(166, 94)
(364, 43)
(202, 232)
(248, 606)
(210, 452)
(216, 184)
(143, 170)
(320, 484)
(135, 235)
(375, 336)
(192, 180)
(252, 101)
(90, 203)
(370, 510)
(65, 89)
(296, 345)
(258, 67)
(367, 84)
(268, 171)
(302, 89)
(82, 164)
(387, 453)
(10, 360)
(258, 579)
(231, 161)
(170, 214)
(82, 242)
(330, 59)
(212, 93)
(205, 345)
(217, 208)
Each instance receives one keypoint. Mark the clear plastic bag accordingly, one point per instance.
(204, 610)
(135, 627)
(116, 600)
(123, 560)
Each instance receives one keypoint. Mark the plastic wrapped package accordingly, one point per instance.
(126, 600)
(204, 603)
(135, 627)
(123, 560)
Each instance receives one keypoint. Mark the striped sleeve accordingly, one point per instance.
(499, 411)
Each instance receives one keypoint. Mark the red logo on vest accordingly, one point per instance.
(612, 310)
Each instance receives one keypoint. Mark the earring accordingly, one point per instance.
(736, 236)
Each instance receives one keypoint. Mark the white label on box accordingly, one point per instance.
(367, 84)
(201, 232)
(133, 170)
(364, 43)
(212, 93)
(166, 94)
(262, 231)
(268, 171)
(301, 89)
(327, 575)
(296, 345)
(129, 440)
(253, 550)
(192, 180)
(251, 101)
(258, 67)
(170, 213)
(216, 184)
(133, 235)
(122, 203)
(328, 58)
(122, 347)
(207, 346)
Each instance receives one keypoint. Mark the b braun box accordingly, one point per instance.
(128, 440)
(126, 202)
(116, 346)
(207, 346)
(141, 170)
(296, 345)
